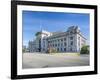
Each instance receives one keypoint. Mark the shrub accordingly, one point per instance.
(51, 50)
(54, 51)
(84, 50)
(37, 33)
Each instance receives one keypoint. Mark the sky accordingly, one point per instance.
(34, 21)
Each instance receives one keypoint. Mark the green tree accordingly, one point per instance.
(84, 50)
(37, 33)
(23, 50)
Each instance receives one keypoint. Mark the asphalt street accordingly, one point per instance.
(39, 60)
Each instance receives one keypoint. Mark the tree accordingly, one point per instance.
(38, 33)
(84, 50)
(51, 50)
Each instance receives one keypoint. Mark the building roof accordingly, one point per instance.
(71, 30)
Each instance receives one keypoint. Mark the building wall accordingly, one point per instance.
(44, 42)
(31, 46)
(70, 41)
(64, 43)
(80, 42)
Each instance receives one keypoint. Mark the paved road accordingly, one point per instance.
(37, 60)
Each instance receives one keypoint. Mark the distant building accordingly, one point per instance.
(24, 49)
(31, 46)
(70, 41)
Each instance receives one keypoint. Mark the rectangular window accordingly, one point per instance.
(65, 44)
(64, 39)
(61, 39)
(71, 43)
(61, 49)
(71, 38)
(48, 41)
(61, 44)
(64, 49)
(55, 45)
